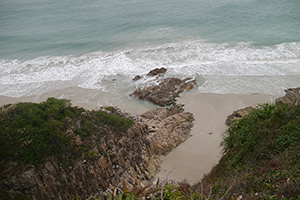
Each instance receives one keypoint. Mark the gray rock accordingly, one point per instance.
(292, 97)
(137, 77)
(165, 92)
(238, 114)
(157, 71)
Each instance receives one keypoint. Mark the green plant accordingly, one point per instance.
(263, 147)
(170, 192)
(264, 131)
(111, 109)
(32, 132)
(91, 154)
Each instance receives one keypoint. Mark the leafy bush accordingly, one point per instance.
(266, 131)
(260, 155)
(31, 132)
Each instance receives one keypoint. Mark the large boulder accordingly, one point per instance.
(238, 114)
(165, 92)
(291, 97)
(154, 72)
(136, 78)
(157, 71)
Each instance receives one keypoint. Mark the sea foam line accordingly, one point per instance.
(187, 58)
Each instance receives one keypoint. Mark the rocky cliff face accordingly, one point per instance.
(133, 155)
(291, 97)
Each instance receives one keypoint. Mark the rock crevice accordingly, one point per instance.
(134, 155)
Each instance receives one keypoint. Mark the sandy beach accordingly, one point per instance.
(201, 151)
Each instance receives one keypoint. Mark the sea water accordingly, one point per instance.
(93, 49)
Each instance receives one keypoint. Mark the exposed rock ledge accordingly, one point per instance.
(165, 91)
(238, 114)
(291, 98)
(133, 155)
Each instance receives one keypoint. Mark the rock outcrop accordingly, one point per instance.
(154, 72)
(238, 114)
(157, 71)
(133, 155)
(164, 91)
(292, 97)
(137, 77)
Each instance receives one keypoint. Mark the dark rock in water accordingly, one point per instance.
(154, 72)
(187, 85)
(137, 77)
(157, 71)
(291, 97)
(165, 92)
(238, 114)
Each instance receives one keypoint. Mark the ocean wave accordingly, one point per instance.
(252, 67)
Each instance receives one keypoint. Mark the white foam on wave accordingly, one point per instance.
(227, 68)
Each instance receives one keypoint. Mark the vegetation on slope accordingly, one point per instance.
(261, 156)
(31, 132)
(261, 152)
(261, 160)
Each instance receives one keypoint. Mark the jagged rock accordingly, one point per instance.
(292, 97)
(137, 77)
(154, 72)
(187, 85)
(157, 71)
(135, 154)
(238, 114)
(165, 92)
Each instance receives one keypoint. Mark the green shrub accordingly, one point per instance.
(115, 121)
(111, 109)
(262, 149)
(289, 135)
(267, 130)
(31, 132)
(91, 154)
(170, 192)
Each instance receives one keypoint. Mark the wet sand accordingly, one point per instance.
(201, 151)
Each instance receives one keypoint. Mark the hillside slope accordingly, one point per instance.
(53, 150)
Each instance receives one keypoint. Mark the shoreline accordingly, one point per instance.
(87, 98)
(198, 154)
